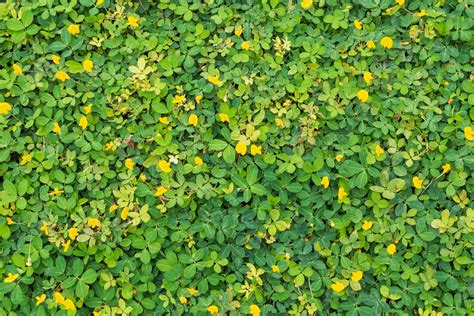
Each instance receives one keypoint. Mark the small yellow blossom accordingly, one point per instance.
(341, 194)
(179, 99)
(368, 77)
(339, 157)
(325, 182)
(73, 29)
(367, 225)
(5, 107)
(56, 128)
(83, 122)
(192, 291)
(56, 191)
(363, 95)
(193, 120)
(69, 305)
(241, 148)
(400, 2)
(446, 168)
(358, 24)
(238, 30)
(88, 65)
(73, 233)
(357, 276)
(99, 2)
(66, 245)
(164, 120)
(26, 159)
(214, 80)
(245, 45)
(113, 208)
(11, 277)
(183, 300)
(279, 122)
(88, 108)
(417, 182)
(223, 117)
(44, 228)
(40, 299)
(338, 287)
(379, 150)
(62, 76)
(198, 99)
(386, 42)
(306, 4)
(133, 21)
(421, 14)
(17, 70)
(160, 190)
(93, 222)
(164, 166)
(124, 213)
(56, 59)
(198, 161)
(255, 150)
(213, 310)
(391, 249)
(254, 310)
(275, 268)
(468, 133)
(10, 221)
(370, 44)
(129, 163)
(58, 298)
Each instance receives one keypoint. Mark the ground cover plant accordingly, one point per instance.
(271, 157)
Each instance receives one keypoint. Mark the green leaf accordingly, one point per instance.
(89, 276)
(15, 25)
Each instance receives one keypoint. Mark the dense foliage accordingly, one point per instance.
(273, 157)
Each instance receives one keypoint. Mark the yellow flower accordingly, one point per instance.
(213, 310)
(306, 4)
(358, 24)
(446, 168)
(164, 120)
(421, 14)
(238, 30)
(11, 277)
(129, 163)
(198, 161)
(88, 65)
(370, 44)
(379, 150)
(357, 276)
(56, 191)
(198, 99)
(367, 225)
(325, 182)
(26, 159)
(255, 150)
(56, 59)
(214, 80)
(339, 157)
(192, 291)
(83, 122)
(417, 182)
(468, 133)
(223, 117)
(69, 305)
(40, 299)
(363, 95)
(73, 29)
(179, 99)
(88, 108)
(400, 2)
(287, 256)
(99, 2)
(93, 222)
(17, 70)
(56, 128)
(10, 221)
(61, 75)
(73, 233)
(241, 148)
(66, 245)
(124, 213)
(386, 42)
(58, 298)
(133, 21)
(391, 249)
(341, 194)
(5, 107)
(44, 228)
(338, 287)
(254, 310)
(275, 268)
(279, 122)
(183, 300)
(113, 207)
(193, 120)
(245, 45)
(368, 77)
(160, 190)
(164, 166)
